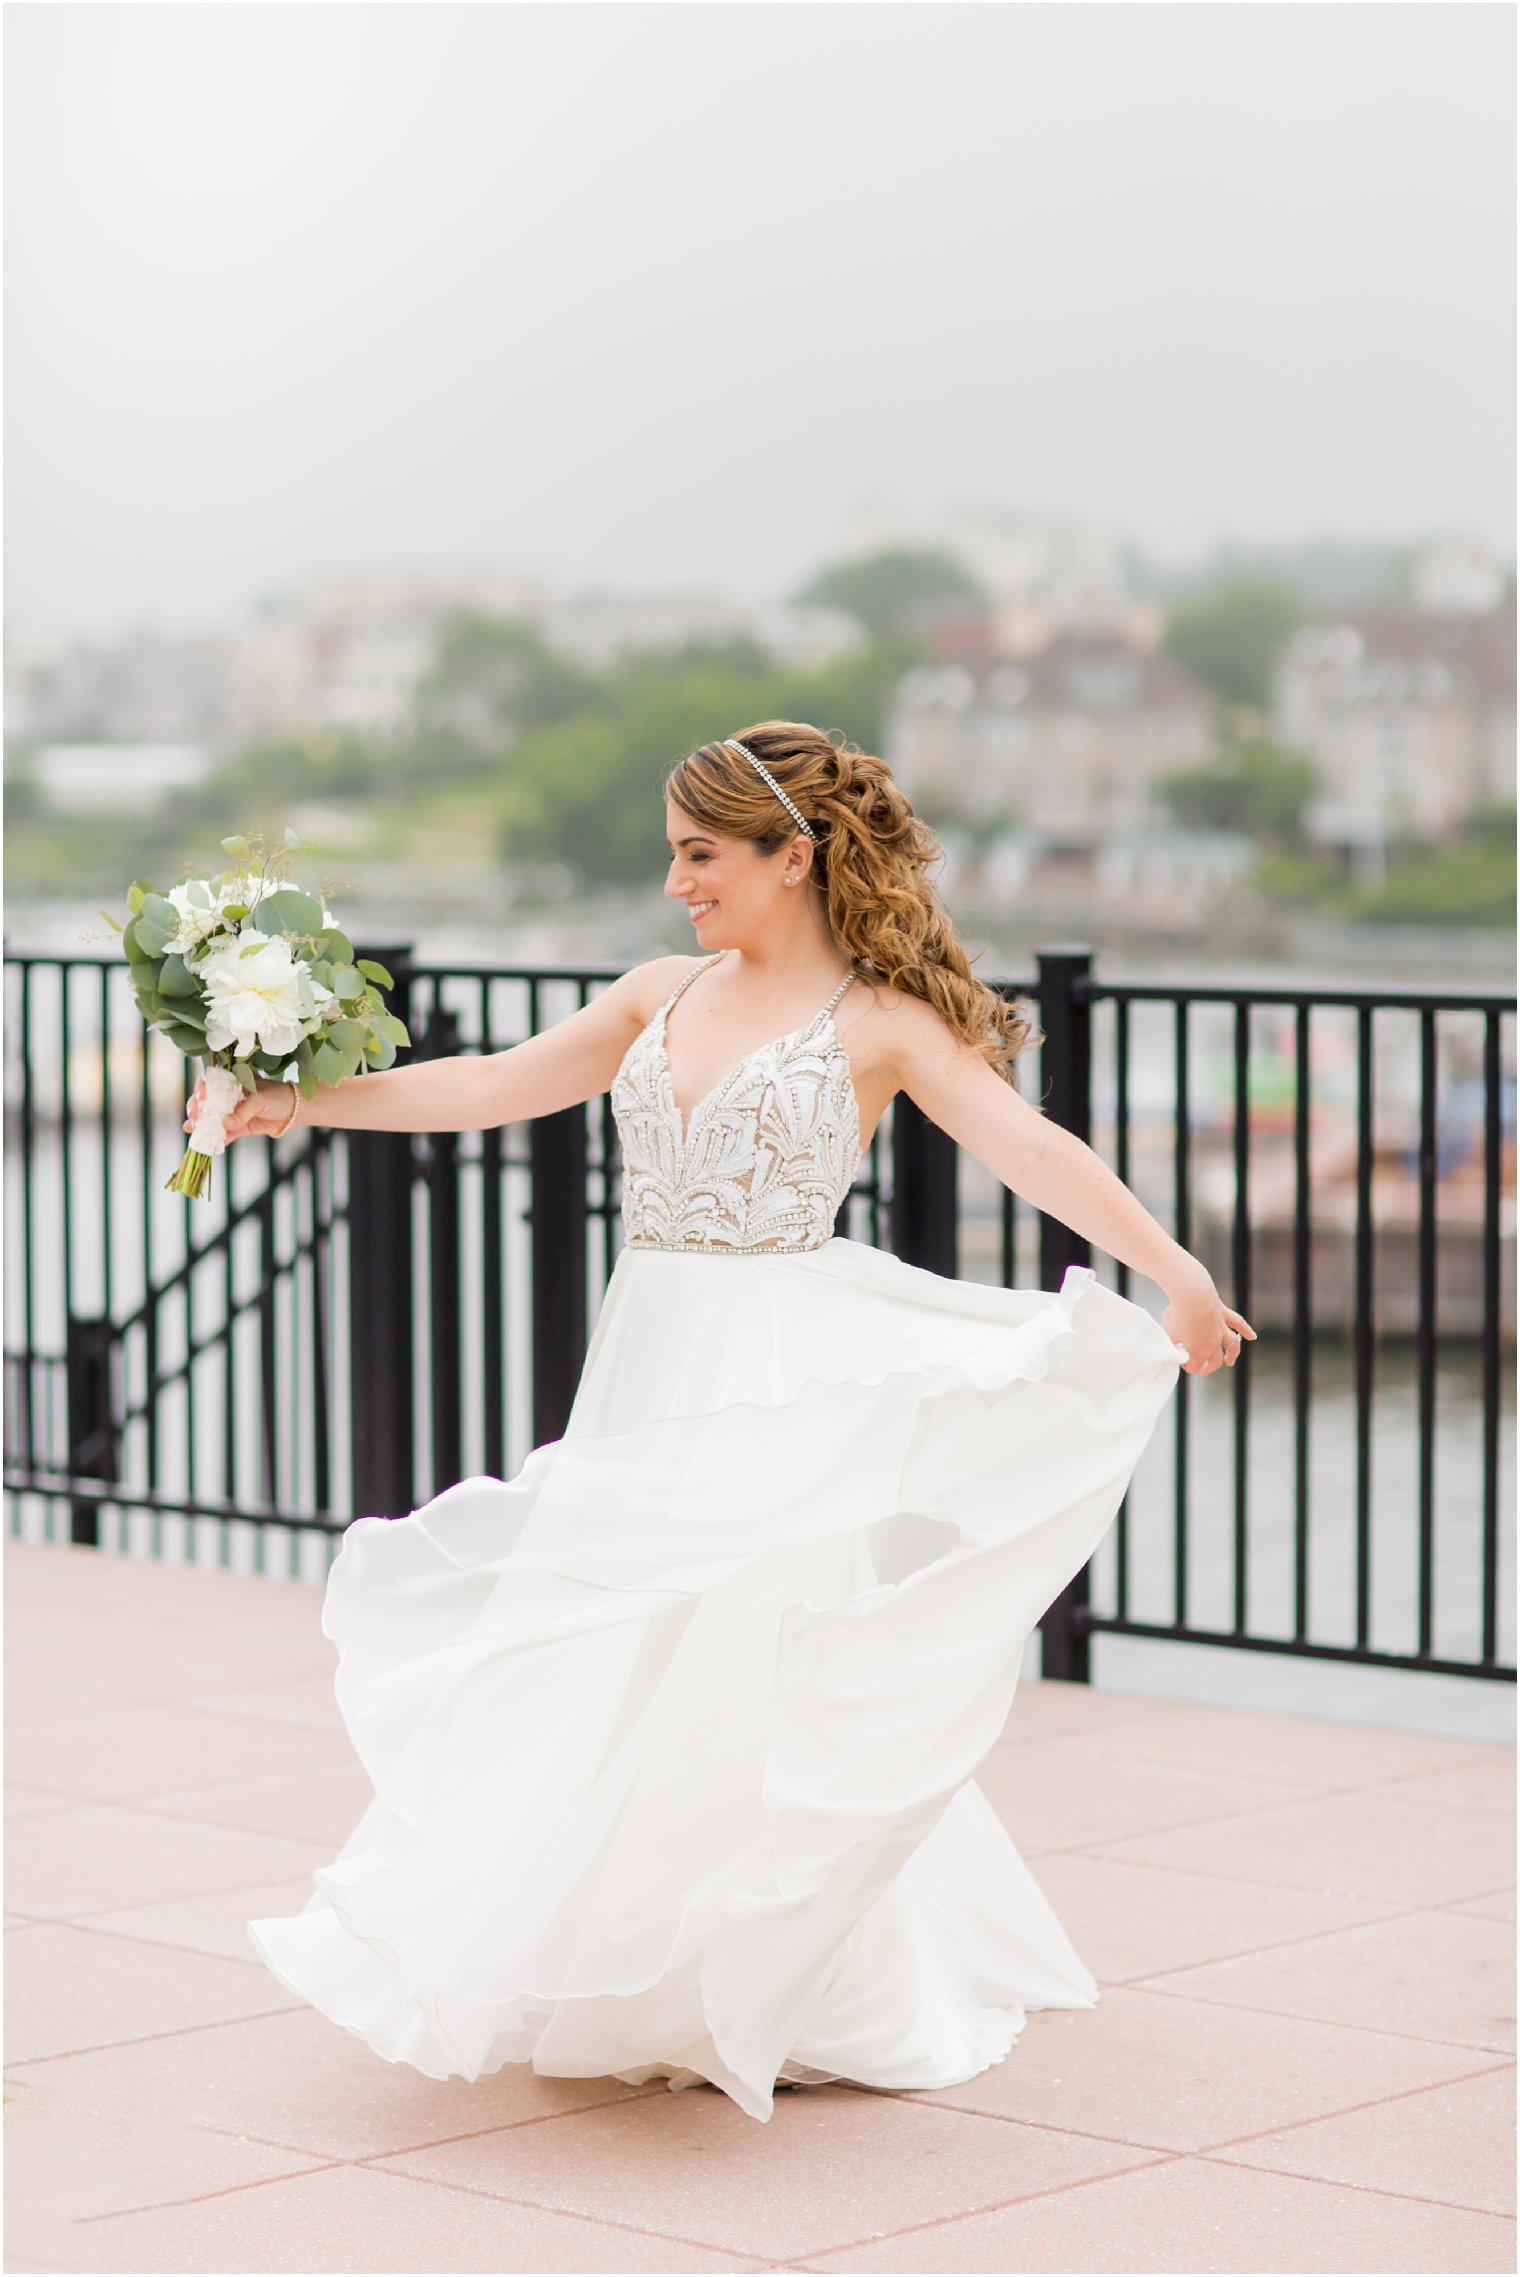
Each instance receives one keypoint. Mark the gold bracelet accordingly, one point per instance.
(290, 1118)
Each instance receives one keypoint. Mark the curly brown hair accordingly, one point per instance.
(870, 868)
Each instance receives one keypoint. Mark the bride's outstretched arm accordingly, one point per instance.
(470, 1091)
(1060, 1175)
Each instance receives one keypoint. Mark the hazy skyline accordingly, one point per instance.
(659, 296)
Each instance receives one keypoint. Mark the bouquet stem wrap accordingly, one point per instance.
(209, 1137)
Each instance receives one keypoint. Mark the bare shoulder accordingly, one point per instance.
(643, 988)
(900, 1032)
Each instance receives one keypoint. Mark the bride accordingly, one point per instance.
(673, 1735)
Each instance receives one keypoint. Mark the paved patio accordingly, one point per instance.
(1301, 2058)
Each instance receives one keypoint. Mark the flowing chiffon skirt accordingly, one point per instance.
(673, 1735)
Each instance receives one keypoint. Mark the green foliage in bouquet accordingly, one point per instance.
(247, 972)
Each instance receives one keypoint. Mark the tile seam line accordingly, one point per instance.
(1249, 1881)
(569, 2213)
(434, 2142)
(1277, 1945)
(1333, 2024)
(94, 1928)
(1253, 1810)
(1227, 2143)
(205, 2197)
(847, 2245)
(153, 2039)
(1362, 2189)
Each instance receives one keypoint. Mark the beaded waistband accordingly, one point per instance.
(731, 1248)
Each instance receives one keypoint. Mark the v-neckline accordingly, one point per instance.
(683, 1138)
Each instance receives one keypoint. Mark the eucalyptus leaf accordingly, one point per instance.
(245, 1075)
(290, 911)
(373, 971)
(176, 978)
(345, 982)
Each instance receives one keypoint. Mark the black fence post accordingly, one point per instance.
(381, 1292)
(1066, 1096)
(924, 1179)
(440, 1040)
(557, 1214)
(91, 1418)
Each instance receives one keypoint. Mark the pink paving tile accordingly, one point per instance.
(1454, 2144)
(151, 1665)
(830, 2166)
(100, 1855)
(211, 1923)
(1487, 1785)
(1049, 1709)
(1190, 2214)
(309, 1701)
(158, 1664)
(26, 1802)
(68, 1989)
(1372, 1842)
(34, 1695)
(60, 2173)
(1131, 1921)
(1311, 1749)
(1189, 2075)
(324, 1805)
(140, 1750)
(355, 2218)
(1433, 1976)
(1490, 1905)
(1055, 1794)
(300, 2081)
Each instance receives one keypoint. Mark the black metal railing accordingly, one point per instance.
(355, 1321)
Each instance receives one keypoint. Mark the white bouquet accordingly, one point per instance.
(252, 977)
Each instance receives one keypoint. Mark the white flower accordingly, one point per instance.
(198, 916)
(200, 905)
(259, 997)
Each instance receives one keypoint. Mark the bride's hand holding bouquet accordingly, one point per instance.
(252, 977)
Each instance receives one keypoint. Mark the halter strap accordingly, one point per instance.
(718, 954)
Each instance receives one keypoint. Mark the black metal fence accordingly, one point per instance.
(355, 1321)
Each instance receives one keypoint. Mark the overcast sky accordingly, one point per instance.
(662, 295)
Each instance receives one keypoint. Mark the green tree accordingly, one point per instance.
(491, 679)
(585, 791)
(887, 592)
(1231, 637)
(1258, 787)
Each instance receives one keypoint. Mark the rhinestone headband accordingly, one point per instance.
(802, 823)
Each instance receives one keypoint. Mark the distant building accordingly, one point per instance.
(597, 627)
(1458, 576)
(1068, 743)
(1409, 716)
(143, 687)
(346, 654)
(1041, 577)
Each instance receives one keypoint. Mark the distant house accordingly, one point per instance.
(1409, 716)
(1068, 743)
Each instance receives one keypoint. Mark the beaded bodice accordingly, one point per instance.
(768, 1155)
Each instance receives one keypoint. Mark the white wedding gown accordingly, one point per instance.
(673, 1735)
